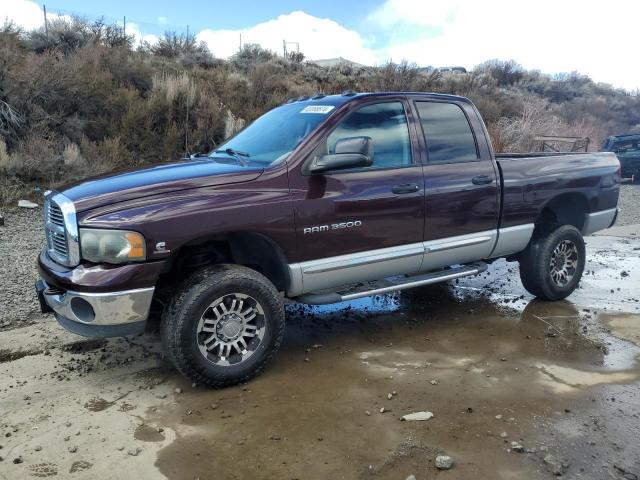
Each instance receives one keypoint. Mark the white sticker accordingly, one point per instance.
(317, 109)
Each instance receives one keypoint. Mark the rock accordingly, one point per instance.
(382, 410)
(73, 449)
(134, 452)
(444, 462)
(178, 390)
(27, 204)
(433, 382)
(161, 395)
(498, 417)
(17, 460)
(389, 396)
(411, 477)
(37, 448)
(504, 435)
(367, 412)
(556, 466)
(516, 447)
(417, 416)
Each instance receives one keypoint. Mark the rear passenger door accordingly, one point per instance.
(461, 184)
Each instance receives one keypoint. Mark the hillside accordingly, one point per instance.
(80, 99)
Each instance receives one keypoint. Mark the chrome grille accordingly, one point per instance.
(56, 235)
(61, 229)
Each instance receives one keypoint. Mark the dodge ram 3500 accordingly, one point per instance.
(387, 190)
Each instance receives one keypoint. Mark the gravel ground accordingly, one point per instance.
(21, 238)
(629, 205)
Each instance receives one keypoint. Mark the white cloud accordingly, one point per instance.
(549, 35)
(134, 30)
(318, 37)
(24, 13)
(162, 20)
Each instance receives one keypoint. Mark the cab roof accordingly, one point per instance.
(348, 96)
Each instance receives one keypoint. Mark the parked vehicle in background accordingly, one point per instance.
(627, 149)
(398, 189)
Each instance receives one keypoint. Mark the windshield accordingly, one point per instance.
(276, 133)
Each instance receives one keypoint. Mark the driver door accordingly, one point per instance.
(363, 223)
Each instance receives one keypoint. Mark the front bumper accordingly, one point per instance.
(111, 314)
(98, 300)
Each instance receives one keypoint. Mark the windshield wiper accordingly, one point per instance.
(236, 154)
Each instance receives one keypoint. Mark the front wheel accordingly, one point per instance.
(224, 325)
(551, 267)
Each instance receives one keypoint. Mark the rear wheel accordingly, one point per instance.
(224, 325)
(551, 267)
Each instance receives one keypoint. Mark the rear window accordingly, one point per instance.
(447, 133)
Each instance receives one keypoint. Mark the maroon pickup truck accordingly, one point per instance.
(388, 190)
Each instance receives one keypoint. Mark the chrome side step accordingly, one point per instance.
(394, 284)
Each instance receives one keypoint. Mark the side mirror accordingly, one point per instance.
(350, 152)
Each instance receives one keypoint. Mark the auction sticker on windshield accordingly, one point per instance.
(317, 109)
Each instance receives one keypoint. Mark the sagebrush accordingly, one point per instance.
(81, 100)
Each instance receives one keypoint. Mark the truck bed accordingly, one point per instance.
(530, 180)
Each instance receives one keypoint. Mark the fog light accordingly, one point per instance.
(82, 310)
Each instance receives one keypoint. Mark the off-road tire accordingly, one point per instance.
(181, 317)
(535, 262)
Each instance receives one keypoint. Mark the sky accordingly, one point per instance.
(553, 36)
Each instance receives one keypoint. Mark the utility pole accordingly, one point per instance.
(124, 28)
(187, 33)
(46, 27)
(240, 49)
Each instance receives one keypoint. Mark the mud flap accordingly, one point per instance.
(44, 306)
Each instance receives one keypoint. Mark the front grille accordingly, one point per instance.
(55, 214)
(56, 233)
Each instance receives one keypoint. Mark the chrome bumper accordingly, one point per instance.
(101, 309)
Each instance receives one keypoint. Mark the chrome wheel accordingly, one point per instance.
(231, 329)
(564, 262)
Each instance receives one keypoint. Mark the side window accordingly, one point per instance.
(386, 125)
(447, 133)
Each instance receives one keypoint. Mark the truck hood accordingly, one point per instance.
(157, 179)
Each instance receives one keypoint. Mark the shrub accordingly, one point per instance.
(81, 101)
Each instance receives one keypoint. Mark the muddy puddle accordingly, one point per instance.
(493, 366)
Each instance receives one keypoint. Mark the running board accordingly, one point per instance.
(393, 285)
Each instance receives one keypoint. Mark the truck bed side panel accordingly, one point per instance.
(531, 182)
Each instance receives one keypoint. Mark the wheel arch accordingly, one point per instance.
(565, 209)
(250, 249)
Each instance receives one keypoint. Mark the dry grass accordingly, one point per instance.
(171, 87)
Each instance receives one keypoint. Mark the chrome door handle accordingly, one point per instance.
(405, 188)
(482, 180)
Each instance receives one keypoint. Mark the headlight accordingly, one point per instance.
(111, 246)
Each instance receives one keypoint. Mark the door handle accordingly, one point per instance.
(405, 188)
(482, 180)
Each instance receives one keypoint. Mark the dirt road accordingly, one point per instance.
(495, 367)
